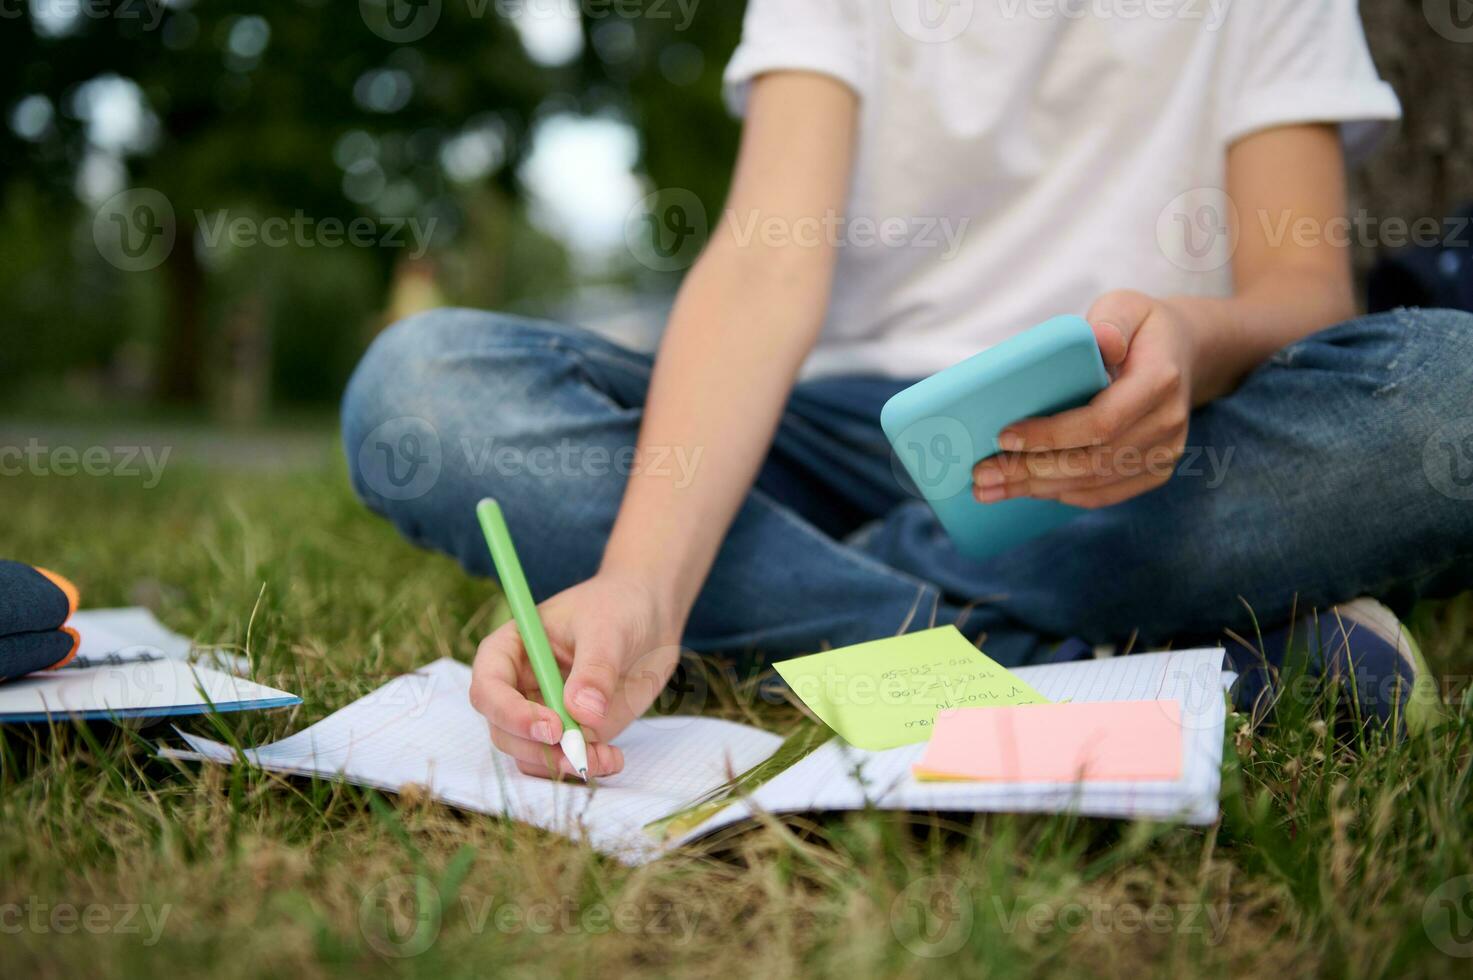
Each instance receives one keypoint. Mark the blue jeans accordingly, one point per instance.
(1342, 467)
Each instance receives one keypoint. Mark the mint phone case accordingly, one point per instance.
(942, 426)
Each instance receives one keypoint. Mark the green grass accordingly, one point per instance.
(1326, 859)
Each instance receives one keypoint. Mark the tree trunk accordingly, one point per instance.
(182, 376)
(1426, 169)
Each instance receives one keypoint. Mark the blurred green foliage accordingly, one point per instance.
(306, 111)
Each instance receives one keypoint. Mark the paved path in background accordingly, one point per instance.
(261, 450)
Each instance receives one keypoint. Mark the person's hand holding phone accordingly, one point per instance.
(1129, 438)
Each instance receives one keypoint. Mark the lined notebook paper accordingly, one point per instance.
(420, 729)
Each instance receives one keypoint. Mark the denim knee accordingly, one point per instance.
(393, 369)
(1421, 428)
(1409, 368)
(1435, 379)
(455, 405)
(1435, 364)
(424, 386)
(403, 363)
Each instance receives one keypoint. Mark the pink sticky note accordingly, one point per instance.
(1072, 742)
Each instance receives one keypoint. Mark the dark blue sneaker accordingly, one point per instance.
(1359, 646)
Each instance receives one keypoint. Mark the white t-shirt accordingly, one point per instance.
(1018, 158)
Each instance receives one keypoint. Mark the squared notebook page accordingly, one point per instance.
(420, 728)
(841, 777)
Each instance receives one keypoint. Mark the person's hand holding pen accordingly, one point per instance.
(616, 651)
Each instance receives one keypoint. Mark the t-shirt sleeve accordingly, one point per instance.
(824, 36)
(1303, 61)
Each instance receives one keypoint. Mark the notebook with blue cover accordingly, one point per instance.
(130, 666)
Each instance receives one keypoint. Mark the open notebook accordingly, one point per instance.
(105, 682)
(420, 729)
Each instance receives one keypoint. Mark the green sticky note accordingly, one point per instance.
(885, 693)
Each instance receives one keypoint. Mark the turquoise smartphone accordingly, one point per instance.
(941, 427)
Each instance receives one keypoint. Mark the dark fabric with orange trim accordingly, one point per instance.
(73, 598)
(29, 601)
(34, 607)
(26, 653)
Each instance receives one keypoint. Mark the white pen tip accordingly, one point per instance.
(576, 750)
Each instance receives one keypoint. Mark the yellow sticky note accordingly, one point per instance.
(886, 693)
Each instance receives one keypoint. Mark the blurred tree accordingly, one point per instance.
(664, 68)
(662, 71)
(1425, 50)
(261, 108)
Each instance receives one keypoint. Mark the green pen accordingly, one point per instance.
(529, 625)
